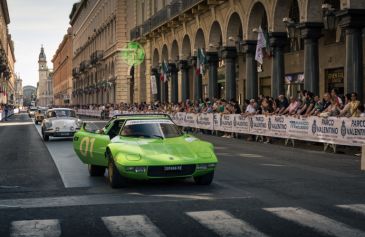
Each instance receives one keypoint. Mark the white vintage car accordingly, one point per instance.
(60, 122)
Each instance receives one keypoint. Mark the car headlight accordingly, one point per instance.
(48, 124)
(78, 123)
(136, 169)
(205, 166)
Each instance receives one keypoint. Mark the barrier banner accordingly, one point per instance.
(190, 120)
(277, 126)
(205, 121)
(298, 128)
(352, 131)
(217, 122)
(341, 131)
(325, 129)
(226, 122)
(258, 125)
(241, 124)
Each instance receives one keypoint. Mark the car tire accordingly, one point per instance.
(204, 179)
(36, 122)
(116, 180)
(96, 170)
(45, 137)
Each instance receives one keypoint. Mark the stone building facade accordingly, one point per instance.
(44, 85)
(62, 72)
(18, 91)
(7, 58)
(100, 30)
(315, 45)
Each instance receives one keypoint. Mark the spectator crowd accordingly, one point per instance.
(307, 104)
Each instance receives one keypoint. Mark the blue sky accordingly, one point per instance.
(36, 22)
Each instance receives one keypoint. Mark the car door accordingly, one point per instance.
(90, 145)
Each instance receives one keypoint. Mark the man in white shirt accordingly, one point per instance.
(251, 108)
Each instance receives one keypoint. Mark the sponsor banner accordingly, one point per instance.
(258, 125)
(298, 128)
(352, 131)
(226, 122)
(241, 124)
(190, 120)
(341, 131)
(325, 129)
(153, 85)
(277, 126)
(217, 122)
(205, 121)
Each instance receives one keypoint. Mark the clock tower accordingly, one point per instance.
(44, 90)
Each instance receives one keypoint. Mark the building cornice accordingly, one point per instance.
(5, 8)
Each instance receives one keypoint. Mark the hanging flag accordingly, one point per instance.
(267, 43)
(164, 71)
(261, 43)
(200, 63)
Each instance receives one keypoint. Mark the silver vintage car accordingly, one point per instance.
(60, 122)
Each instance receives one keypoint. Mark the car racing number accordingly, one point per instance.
(86, 146)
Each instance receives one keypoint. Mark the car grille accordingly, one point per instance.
(159, 171)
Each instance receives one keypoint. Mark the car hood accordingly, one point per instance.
(182, 149)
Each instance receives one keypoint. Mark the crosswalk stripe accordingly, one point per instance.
(131, 226)
(35, 228)
(315, 221)
(224, 224)
(359, 208)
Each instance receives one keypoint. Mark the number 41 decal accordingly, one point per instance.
(84, 146)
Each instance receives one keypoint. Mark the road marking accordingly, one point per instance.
(315, 221)
(35, 228)
(131, 226)
(224, 224)
(272, 165)
(359, 208)
(14, 124)
(187, 196)
(223, 154)
(250, 155)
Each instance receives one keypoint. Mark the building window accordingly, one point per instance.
(335, 80)
(294, 83)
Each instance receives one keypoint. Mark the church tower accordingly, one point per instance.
(44, 96)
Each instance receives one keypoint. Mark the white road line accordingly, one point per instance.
(250, 155)
(224, 224)
(359, 208)
(35, 228)
(131, 226)
(315, 221)
(272, 165)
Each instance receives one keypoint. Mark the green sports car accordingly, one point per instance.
(144, 147)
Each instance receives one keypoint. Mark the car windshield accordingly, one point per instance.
(151, 129)
(63, 113)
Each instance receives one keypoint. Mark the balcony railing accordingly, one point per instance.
(174, 9)
(136, 32)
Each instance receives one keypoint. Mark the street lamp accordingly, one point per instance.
(329, 17)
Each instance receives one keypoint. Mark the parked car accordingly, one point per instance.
(60, 122)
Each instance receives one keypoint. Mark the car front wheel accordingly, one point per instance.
(95, 170)
(116, 180)
(204, 179)
(45, 137)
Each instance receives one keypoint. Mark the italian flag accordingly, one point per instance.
(201, 61)
(164, 71)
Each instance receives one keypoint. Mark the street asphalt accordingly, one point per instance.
(258, 190)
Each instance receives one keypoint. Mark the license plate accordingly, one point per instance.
(173, 168)
(65, 134)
